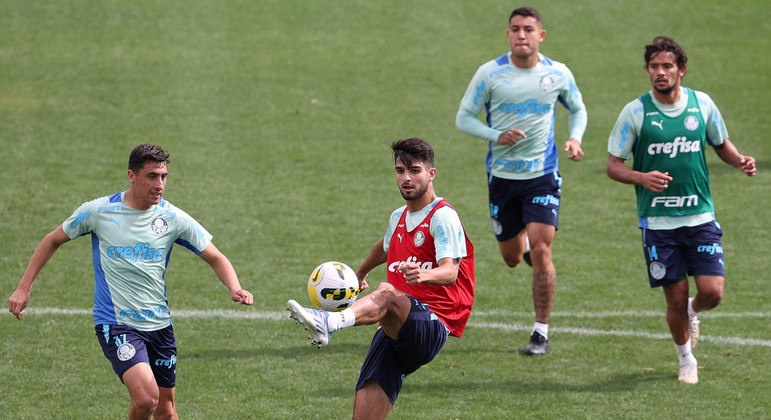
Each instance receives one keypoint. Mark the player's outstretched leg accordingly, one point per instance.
(315, 322)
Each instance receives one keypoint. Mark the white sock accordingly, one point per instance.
(542, 329)
(684, 353)
(691, 312)
(343, 319)
(527, 245)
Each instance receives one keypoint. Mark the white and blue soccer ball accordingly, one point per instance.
(333, 286)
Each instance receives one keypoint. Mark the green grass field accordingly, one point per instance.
(278, 115)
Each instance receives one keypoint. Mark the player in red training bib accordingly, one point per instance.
(429, 293)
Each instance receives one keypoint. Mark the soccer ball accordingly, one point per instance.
(333, 286)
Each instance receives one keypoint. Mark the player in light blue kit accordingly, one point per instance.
(666, 131)
(519, 92)
(132, 234)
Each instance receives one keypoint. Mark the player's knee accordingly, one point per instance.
(386, 287)
(540, 250)
(512, 260)
(678, 304)
(710, 299)
(144, 404)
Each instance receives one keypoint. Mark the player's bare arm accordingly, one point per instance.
(227, 274)
(655, 181)
(45, 250)
(444, 274)
(730, 155)
(376, 257)
(574, 147)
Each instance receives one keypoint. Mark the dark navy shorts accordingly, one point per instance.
(517, 202)
(673, 254)
(390, 361)
(125, 346)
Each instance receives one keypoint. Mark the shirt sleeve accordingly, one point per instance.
(476, 96)
(81, 222)
(449, 237)
(392, 222)
(572, 99)
(626, 130)
(716, 129)
(191, 234)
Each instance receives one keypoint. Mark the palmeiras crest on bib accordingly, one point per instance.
(547, 83)
(159, 226)
(419, 238)
(691, 123)
(657, 270)
(126, 351)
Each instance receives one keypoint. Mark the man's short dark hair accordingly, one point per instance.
(147, 152)
(663, 43)
(526, 12)
(413, 149)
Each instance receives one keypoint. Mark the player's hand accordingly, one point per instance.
(242, 296)
(363, 285)
(412, 273)
(574, 147)
(656, 181)
(17, 302)
(747, 165)
(511, 136)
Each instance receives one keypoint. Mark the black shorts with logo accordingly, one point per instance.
(125, 347)
(672, 254)
(389, 361)
(516, 202)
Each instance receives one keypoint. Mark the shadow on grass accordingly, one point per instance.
(621, 382)
(300, 351)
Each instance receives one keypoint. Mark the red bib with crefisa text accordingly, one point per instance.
(452, 304)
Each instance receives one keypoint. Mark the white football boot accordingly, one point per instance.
(689, 374)
(315, 322)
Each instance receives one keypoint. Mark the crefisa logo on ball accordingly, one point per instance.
(126, 351)
(657, 270)
(159, 226)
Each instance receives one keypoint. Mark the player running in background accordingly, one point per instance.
(519, 92)
(428, 295)
(666, 131)
(132, 233)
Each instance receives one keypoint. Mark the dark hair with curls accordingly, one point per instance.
(663, 43)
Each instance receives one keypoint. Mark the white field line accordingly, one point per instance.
(613, 314)
(279, 315)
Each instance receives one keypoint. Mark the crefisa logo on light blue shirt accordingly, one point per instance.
(141, 250)
(530, 106)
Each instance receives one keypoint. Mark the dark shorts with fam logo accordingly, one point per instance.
(389, 361)
(516, 202)
(125, 347)
(671, 255)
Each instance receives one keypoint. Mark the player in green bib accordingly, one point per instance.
(132, 234)
(665, 131)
